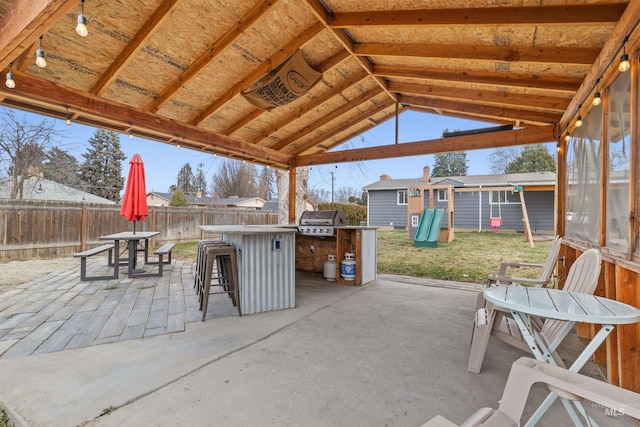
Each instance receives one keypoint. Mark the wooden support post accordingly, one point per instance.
(525, 220)
(292, 195)
(450, 207)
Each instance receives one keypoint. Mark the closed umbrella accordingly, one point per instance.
(134, 203)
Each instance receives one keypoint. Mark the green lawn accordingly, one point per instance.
(471, 257)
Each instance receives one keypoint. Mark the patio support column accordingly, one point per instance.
(292, 195)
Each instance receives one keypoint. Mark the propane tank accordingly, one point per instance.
(330, 268)
(348, 266)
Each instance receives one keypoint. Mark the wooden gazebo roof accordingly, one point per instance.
(174, 70)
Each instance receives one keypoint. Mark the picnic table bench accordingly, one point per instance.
(94, 251)
(160, 252)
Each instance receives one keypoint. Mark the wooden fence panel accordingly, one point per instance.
(39, 229)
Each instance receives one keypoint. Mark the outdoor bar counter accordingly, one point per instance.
(266, 264)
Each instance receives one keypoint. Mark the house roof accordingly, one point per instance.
(45, 189)
(496, 180)
(175, 71)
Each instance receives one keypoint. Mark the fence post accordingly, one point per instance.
(202, 223)
(83, 228)
(153, 226)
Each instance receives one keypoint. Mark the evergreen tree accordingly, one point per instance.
(534, 158)
(266, 184)
(450, 164)
(101, 172)
(178, 199)
(199, 181)
(62, 167)
(185, 180)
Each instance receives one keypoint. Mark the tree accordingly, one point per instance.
(22, 148)
(62, 167)
(184, 180)
(319, 195)
(347, 195)
(101, 172)
(200, 181)
(235, 179)
(500, 159)
(450, 164)
(178, 199)
(266, 184)
(534, 158)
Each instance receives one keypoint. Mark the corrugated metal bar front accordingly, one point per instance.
(266, 270)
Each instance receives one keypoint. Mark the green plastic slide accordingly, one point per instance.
(429, 228)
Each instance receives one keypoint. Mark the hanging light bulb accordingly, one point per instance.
(68, 117)
(40, 61)
(567, 137)
(130, 131)
(10, 83)
(597, 99)
(579, 121)
(81, 28)
(624, 59)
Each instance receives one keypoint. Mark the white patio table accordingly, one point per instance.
(524, 302)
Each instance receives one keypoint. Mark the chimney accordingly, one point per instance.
(385, 177)
(426, 174)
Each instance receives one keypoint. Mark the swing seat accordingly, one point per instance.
(495, 222)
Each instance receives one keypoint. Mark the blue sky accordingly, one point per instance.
(162, 161)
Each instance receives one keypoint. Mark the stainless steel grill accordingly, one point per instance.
(320, 223)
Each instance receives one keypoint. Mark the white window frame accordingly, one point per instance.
(504, 200)
(403, 194)
(442, 191)
(415, 220)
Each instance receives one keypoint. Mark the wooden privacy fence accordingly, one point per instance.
(44, 229)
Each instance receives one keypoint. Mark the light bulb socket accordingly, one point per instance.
(81, 28)
(40, 61)
(10, 83)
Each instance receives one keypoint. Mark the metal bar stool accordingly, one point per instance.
(225, 274)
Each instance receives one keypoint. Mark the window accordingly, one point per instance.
(414, 192)
(443, 195)
(504, 197)
(414, 220)
(402, 197)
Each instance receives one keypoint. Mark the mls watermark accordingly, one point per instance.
(614, 412)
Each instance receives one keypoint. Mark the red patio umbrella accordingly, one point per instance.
(134, 203)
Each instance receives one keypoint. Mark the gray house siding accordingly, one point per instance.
(385, 211)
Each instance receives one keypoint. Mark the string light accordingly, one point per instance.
(130, 131)
(624, 59)
(10, 83)
(567, 137)
(68, 120)
(81, 28)
(597, 99)
(579, 119)
(40, 61)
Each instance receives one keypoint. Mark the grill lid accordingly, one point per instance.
(321, 223)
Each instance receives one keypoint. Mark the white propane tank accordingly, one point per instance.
(330, 268)
(348, 266)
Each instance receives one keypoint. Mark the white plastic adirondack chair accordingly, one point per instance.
(543, 279)
(583, 277)
(525, 372)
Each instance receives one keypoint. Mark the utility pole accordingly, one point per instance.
(332, 180)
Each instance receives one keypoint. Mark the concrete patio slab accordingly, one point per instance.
(387, 354)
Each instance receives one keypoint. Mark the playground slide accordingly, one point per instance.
(429, 228)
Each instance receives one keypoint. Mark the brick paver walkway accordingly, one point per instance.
(58, 311)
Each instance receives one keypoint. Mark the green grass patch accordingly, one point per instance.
(185, 251)
(471, 257)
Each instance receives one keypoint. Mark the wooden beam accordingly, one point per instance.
(147, 30)
(255, 113)
(262, 69)
(33, 89)
(498, 16)
(523, 101)
(532, 135)
(25, 22)
(609, 55)
(345, 40)
(341, 127)
(545, 55)
(565, 84)
(470, 109)
(332, 115)
(238, 29)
